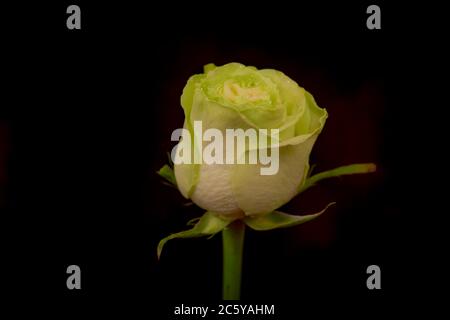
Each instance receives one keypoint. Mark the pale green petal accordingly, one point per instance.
(311, 123)
(214, 191)
(265, 118)
(313, 118)
(258, 194)
(187, 98)
(245, 90)
(209, 67)
(187, 174)
(214, 115)
(212, 187)
(292, 98)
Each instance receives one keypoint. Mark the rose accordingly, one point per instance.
(237, 96)
(243, 99)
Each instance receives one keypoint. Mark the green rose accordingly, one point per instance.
(234, 101)
(235, 96)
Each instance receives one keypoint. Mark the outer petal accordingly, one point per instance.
(187, 175)
(209, 186)
(293, 99)
(260, 194)
(212, 190)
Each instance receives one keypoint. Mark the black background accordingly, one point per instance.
(86, 121)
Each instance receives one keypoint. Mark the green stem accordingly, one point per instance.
(233, 244)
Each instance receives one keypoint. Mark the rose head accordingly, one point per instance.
(235, 96)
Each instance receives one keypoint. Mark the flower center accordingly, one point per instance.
(238, 95)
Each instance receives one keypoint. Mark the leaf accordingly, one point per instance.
(208, 225)
(340, 171)
(166, 172)
(310, 171)
(278, 219)
(169, 158)
(193, 221)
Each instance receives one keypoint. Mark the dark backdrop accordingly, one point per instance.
(86, 121)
